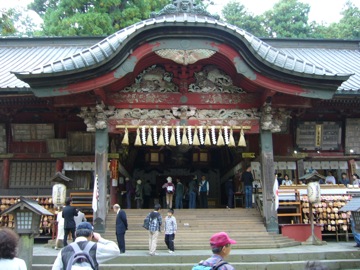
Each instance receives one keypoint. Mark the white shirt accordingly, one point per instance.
(106, 250)
(79, 218)
(13, 264)
(330, 180)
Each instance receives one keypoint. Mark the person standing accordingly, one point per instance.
(129, 192)
(170, 230)
(179, 195)
(121, 227)
(101, 251)
(229, 188)
(344, 180)
(9, 242)
(204, 192)
(147, 194)
(60, 230)
(330, 179)
(154, 229)
(69, 212)
(139, 194)
(193, 187)
(170, 189)
(247, 178)
(220, 244)
(80, 217)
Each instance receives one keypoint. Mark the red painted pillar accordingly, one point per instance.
(114, 176)
(6, 173)
(59, 165)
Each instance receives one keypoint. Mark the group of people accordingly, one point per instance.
(171, 191)
(67, 220)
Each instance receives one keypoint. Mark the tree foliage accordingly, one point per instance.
(92, 17)
(6, 22)
(290, 19)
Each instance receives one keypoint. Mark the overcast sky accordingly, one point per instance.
(321, 10)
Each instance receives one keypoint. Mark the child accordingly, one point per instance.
(170, 230)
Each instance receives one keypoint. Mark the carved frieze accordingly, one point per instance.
(153, 79)
(273, 119)
(96, 117)
(212, 79)
(185, 57)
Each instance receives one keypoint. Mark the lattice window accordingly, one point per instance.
(82, 180)
(31, 174)
(2, 138)
(32, 132)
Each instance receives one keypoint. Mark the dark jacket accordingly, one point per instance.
(121, 222)
(247, 178)
(68, 214)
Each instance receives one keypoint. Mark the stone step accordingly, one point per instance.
(293, 258)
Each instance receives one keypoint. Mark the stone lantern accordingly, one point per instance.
(27, 215)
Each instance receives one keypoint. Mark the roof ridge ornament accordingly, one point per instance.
(183, 6)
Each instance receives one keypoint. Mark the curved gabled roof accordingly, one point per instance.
(102, 52)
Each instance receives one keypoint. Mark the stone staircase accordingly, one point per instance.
(195, 227)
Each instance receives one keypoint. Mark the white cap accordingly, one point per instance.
(169, 179)
(138, 181)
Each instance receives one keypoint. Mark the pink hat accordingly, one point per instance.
(221, 239)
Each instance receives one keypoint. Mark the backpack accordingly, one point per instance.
(146, 224)
(216, 266)
(81, 256)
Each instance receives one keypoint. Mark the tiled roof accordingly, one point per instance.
(37, 61)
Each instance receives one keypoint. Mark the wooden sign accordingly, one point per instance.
(248, 155)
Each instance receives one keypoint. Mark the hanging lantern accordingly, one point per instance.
(196, 141)
(207, 137)
(313, 191)
(137, 139)
(59, 194)
(172, 137)
(220, 141)
(242, 142)
(231, 139)
(184, 140)
(161, 141)
(149, 141)
(125, 140)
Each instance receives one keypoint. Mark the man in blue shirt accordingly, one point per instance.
(204, 192)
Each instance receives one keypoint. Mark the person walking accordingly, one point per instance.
(179, 194)
(193, 189)
(220, 244)
(80, 217)
(204, 192)
(101, 251)
(229, 188)
(139, 194)
(147, 194)
(154, 229)
(247, 178)
(129, 192)
(121, 227)
(69, 212)
(9, 242)
(170, 230)
(60, 230)
(170, 189)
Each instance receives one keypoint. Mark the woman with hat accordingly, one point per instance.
(170, 190)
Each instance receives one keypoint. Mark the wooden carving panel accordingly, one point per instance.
(81, 143)
(32, 132)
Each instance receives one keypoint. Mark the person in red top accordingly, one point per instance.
(170, 190)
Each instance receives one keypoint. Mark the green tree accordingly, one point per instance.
(93, 17)
(6, 22)
(288, 19)
(349, 25)
(236, 14)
